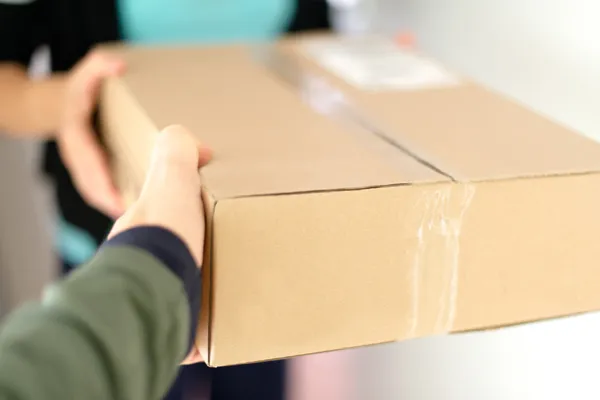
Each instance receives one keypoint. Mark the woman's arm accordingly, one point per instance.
(60, 106)
(29, 107)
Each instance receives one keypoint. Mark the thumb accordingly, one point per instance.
(175, 161)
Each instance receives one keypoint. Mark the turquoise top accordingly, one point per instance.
(184, 21)
(202, 21)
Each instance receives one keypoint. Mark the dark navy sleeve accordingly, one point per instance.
(174, 254)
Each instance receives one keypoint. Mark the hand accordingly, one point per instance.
(170, 197)
(78, 145)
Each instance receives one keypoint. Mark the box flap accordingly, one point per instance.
(280, 145)
(464, 129)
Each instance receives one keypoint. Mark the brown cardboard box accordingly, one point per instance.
(361, 194)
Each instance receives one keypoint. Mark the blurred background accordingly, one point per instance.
(544, 53)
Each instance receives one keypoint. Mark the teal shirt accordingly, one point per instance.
(184, 21)
(202, 21)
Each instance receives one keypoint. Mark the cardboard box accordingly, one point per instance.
(361, 194)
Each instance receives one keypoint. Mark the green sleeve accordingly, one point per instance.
(116, 329)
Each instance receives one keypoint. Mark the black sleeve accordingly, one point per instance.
(20, 29)
(310, 15)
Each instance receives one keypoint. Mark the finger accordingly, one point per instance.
(205, 155)
(175, 162)
(100, 64)
(176, 144)
(90, 170)
(87, 79)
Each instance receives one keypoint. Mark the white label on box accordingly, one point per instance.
(378, 64)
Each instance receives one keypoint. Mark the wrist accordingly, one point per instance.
(44, 104)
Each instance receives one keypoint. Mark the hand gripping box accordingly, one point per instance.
(362, 194)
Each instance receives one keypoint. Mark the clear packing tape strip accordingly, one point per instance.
(434, 221)
(437, 219)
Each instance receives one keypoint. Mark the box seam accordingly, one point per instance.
(431, 183)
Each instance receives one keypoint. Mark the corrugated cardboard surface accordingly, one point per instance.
(382, 215)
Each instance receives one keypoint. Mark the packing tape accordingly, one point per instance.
(437, 219)
(315, 91)
(325, 99)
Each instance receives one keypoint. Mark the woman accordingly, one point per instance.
(62, 106)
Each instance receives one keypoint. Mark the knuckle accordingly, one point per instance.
(96, 56)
